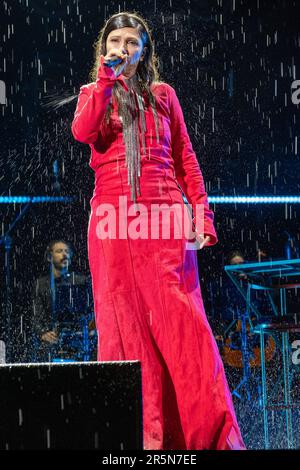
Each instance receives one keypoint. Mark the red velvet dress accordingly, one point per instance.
(147, 297)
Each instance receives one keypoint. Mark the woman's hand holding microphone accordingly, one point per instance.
(116, 60)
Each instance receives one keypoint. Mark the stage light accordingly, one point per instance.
(254, 199)
(211, 199)
(33, 199)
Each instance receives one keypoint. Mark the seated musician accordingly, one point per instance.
(224, 299)
(62, 309)
(230, 308)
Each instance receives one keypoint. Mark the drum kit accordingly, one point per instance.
(74, 325)
(240, 350)
(76, 341)
(240, 343)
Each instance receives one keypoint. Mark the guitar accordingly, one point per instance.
(231, 347)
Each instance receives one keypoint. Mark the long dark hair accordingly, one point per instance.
(147, 70)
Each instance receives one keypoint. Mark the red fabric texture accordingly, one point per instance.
(148, 303)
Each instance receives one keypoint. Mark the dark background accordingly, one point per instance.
(232, 64)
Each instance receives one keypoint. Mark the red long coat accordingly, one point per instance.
(148, 303)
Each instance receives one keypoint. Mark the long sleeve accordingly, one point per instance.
(187, 169)
(92, 104)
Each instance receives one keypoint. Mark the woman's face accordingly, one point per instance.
(128, 41)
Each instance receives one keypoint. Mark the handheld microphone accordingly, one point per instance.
(114, 60)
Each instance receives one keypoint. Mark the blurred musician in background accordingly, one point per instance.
(225, 301)
(62, 321)
(230, 308)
